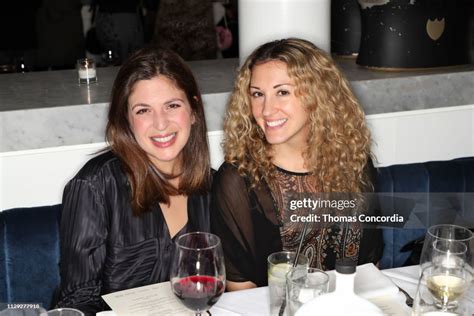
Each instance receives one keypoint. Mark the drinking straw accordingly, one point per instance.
(300, 245)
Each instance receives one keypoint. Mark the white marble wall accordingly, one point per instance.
(37, 177)
(52, 127)
(74, 125)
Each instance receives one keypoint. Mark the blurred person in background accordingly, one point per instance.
(229, 23)
(60, 34)
(187, 28)
(119, 28)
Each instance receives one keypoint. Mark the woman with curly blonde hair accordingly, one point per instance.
(293, 128)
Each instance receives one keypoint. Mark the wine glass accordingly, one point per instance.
(110, 58)
(449, 253)
(446, 232)
(441, 291)
(450, 279)
(198, 271)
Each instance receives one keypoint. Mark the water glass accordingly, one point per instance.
(39, 311)
(65, 312)
(279, 263)
(302, 285)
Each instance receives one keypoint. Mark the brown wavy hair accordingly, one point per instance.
(149, 185)
(339, 140)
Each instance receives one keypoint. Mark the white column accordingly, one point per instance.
(261, 21)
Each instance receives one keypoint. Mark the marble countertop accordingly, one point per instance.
(420, 88)
(49, 109)
(36, 90)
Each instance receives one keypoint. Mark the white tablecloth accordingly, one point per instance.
(255, 302)
(377, 286)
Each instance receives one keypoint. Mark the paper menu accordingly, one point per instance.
(150, 300)
(393, 305)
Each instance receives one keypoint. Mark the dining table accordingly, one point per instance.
(390, 289)
(256, 302)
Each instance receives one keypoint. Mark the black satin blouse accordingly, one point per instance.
(104, 248)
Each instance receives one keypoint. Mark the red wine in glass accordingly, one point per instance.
(198, 271)
(198, 292)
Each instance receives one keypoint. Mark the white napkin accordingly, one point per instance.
(219, 311)
(106, 313)
(409, 274)
(252, 302)
(369, 282)
(216, 311)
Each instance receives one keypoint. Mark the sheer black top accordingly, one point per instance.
(251, 225)
(104, 247)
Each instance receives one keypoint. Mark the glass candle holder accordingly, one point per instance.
(86, 71)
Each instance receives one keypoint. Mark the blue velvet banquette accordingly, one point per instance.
(29, 241)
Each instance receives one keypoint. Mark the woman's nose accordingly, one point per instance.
(269, 106)
(160, 121)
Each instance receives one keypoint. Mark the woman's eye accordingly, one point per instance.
(256, 94)
(173, 106)
(141, 111)
(283, 92)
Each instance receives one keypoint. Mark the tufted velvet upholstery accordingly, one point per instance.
(422, 179)
(29, 254)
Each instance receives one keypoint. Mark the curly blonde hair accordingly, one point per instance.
(339, 140)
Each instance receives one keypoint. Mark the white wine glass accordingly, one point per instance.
(450, 279)
(446, 233)
(449, 253)
(441, 291)
(198, 271)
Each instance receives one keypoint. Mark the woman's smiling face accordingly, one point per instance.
(275, 107)
(160, 118)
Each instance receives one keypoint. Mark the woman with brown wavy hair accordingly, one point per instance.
(124, 209)
(293, 129)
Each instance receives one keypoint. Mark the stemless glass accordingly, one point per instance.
(302, 285)
(441, 291)
(65, 312)
(447, 233)
(279, 263)
(86, 71)
(198, 272)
